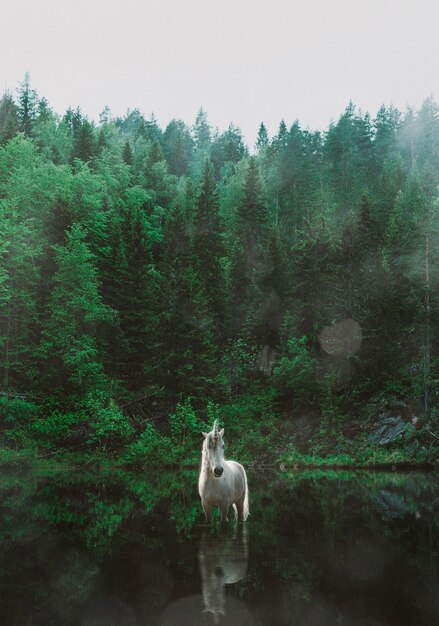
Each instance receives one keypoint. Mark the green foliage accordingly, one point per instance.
(51, 430)
(140, 268)
(106, 517)
(109, 426)
(213, 412)
(27, 106)
(251, 432)
(238, 364)
(150, 448)
(24, 458)
(186, 428)
(8, 118)
(71, 338)
(15, 411)
(296, 371)
(366, 456)
(184, 422)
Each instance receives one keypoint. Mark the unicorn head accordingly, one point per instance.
(213, 450)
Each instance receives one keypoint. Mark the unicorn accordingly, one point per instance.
(221, 483)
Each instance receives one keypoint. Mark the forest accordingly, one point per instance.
(152, 280)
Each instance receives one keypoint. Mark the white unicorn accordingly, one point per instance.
(221, 483)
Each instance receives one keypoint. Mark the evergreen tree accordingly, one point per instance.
(228, 147)
(202, 131)
(9, 121)
(252, 214)
(386, 126)
(185, 331)
(128, 154)
(349, 153)
(134, 298)
(208, 248)
(29, 188)
(202, 143)
(27, 106)
(132, 124)
(44, 112)
(84, 147)
(145, 129)
(251, 262)
(102, 141)
(177, 147)
(279, 142)
(71, 340)
(19, 280)
(262, 139)
(370, 235)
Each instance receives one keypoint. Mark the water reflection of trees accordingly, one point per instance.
(76, 546)
(363, 540)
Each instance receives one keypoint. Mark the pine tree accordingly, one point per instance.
(102, 141)
(185, 330)
(155, 154)
(9, 122)
(349, 154)
(71, 340)
(369, 231)
(84, 147)
(279, 142)
(251, 262)
(252, 213)
(149, 130)
(262, 139)
(27, 106)
(19, 277)
(228, 147)
(128, 154)
(208, 248)
(29, 189)
(177, 147)
(202, 131)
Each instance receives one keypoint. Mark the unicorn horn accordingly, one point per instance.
(215, 428)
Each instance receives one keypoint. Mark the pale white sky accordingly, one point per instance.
(244, 61)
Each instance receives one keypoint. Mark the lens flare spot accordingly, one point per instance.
(343, 338)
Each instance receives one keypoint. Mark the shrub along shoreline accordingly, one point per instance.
(256, 434)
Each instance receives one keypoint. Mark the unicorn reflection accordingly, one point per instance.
(221, 483)
(223, 561)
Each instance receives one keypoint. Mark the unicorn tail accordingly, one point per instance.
(246, 510)
(245, 506)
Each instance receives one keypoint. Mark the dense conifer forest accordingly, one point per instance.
(153, 279)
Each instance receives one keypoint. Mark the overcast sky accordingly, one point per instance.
(244, 61)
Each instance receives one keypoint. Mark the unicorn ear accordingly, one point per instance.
(221, 432)
(205, 435)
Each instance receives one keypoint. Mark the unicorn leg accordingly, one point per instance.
(240, 509)
(224, 508)
(207, 508)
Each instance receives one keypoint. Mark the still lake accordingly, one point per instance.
(131, 549)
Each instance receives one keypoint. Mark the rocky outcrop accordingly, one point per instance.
(389, 430)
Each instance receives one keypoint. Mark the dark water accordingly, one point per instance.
(84, 549)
